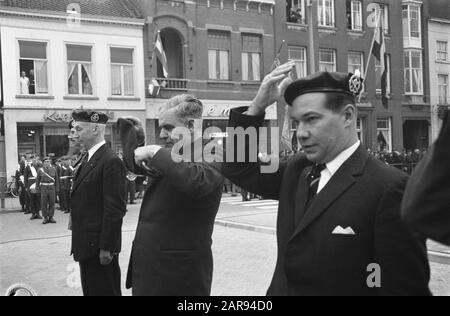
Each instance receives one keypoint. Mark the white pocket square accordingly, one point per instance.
(341, 231)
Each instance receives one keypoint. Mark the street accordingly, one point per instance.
(244, 252)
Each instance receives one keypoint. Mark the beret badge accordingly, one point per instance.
(95, 118)
(355, 83)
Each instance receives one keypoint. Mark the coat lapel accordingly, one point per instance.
(90, 165)
(336, 187)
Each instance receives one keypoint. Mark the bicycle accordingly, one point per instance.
(10, 188)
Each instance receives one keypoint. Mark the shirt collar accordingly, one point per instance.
(337, 163)
(94, 149)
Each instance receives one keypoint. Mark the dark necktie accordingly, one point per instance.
(83, 160)
(313, 181)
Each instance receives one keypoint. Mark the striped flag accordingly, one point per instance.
(379, 51)
(161, 55)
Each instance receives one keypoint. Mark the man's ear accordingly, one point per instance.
(350, 113)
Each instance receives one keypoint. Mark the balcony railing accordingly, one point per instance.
(172, 84)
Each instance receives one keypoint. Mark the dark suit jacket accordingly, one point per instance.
(365, 195)
(29, 178)
(98, 205)
(426, 205)
(172, 249)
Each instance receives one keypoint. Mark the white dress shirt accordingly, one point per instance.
(93, 150)
(335, 165)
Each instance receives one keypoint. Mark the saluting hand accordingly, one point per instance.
(272, 88)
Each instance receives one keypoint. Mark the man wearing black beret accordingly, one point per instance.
(339, 227)
(98, 206)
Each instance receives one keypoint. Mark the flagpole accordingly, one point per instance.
(371, 48)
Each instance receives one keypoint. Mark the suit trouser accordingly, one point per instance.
(63, 201)
(48, 195)
(98, 280)
(33, 203)
(131, 190)
(22, 196)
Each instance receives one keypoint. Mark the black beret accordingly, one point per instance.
(336, 82)
(89, 116)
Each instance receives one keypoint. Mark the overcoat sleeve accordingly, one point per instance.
(114, 190)
(248, 174)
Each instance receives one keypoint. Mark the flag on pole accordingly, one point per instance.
(161, 55)
(379, 51)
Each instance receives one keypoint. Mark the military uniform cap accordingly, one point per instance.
(89, 116)
(326, 82)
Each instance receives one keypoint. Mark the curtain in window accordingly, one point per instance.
(417, 80)
(116, 82)
(41, 76)
(72, 79)
(128, 80)
(256, 66)
(224, 67)
(87, 79)
(212, 62)
(245, 67)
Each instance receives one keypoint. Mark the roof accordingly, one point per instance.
(110, 8)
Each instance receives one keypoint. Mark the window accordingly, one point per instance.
(443, 89)
(411, 21)
(296, 11)
(327, 60)
(356, 62)
(379, 74)
(298, 54)
(384, 134)
(354, 15)
(219, 55)
(442, 51)
(413, 72)
(326, 13)
(33, 68)
(251, 58)
(122, 71)
(385, 17)
(79, 70)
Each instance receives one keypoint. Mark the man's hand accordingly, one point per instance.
(105, 257)
(143, 154)
(272, 88)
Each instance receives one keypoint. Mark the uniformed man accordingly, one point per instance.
(59, 171)
(98, 206)
(339, 213)
(66, 178)
(47, 183)
(20, 185)
(30, 176)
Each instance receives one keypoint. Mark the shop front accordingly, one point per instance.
(44, 133)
